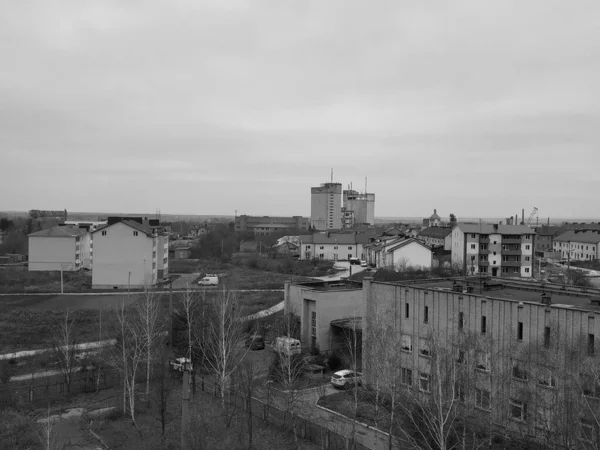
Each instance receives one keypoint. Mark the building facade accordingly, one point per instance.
(125, 254)
(436, 237)
(59, 248)
(578, 245)
(265, 225)
(398, 252)
(494, 249)
(362, 206)
(501, 358)
(326, 207)
(333, 246)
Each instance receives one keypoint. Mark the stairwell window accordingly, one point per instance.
(520, 331)
(461, 320)
(104, 233)
(426, 315)
(591, 344)
(483, 325)
(424, 382)
(407, 311)
(546, 337)
(135, 233)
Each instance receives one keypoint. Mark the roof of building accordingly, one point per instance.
(436, 232)
(58, 231)
(407, 242)
(435, 216)
(335, 238)
(488, 228)
(588, 237)
(384, 241)
(549, 230)
(130, 223)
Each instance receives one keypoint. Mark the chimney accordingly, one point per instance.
(523, 216)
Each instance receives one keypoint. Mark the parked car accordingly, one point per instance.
(177, 364)
(255, 342)
(346, 378)
(287, 345)
(363, 263)
(354, 261)
(209, 281)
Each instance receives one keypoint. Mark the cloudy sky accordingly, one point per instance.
(479, 108)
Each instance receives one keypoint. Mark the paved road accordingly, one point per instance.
(343, 274)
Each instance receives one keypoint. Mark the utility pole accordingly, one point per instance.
(185, 405)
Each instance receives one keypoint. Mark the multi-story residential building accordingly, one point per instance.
(437, 237)
(578, 245)
(326, 207)
(362, 206)
(495, 249)
(523, 358)
(333, 246)
(59, 248)
(544, 239)
(266, 225)
(126, 253)
(398, 252)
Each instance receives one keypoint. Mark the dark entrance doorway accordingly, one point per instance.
(494, 271)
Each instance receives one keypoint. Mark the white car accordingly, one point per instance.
(178, 364)
(363, 264)
(346, 378)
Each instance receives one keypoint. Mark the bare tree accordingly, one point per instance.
(247, 380)
(48, 437)
(64, 346)
(163, 390)
(223, 349)
(151, 325)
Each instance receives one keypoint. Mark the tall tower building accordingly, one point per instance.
(326, 206)
(362, 205)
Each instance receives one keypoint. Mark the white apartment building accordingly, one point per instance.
(333, 246)
(126, 254)
(399, 252)
(495, 249)
(59, 248)
(578, 245)
(326, 207)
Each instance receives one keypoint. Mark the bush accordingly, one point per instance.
(334, 362)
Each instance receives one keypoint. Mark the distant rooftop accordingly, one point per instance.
(59, 231)
(336, 285)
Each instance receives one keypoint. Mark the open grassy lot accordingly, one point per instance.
(23, 281)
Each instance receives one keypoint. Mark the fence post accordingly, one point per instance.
(30, 394)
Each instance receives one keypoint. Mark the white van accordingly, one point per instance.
(287, 345)
(209, 281)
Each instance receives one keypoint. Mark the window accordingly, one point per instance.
(104, 233)
(349, 247)
(518, 410)
(335, 247)
(313, 323)
(406, 311)
(424, 348)
(308, 247)
(406, 343)
(321, 247)
(527, 247)
(459, 392)
(527, 258)
(483, 361)
(426, 315)
(483, 324)
(135, 233)
(590, 386)
(424, 382)
(482, 399)
(520, 331)
(473, 246)
(322, 255)
(591, 339)
(546, 379)
(546, 337)
(473, 235)
(406, 376)
(526, 269)
(587, 431)
(461, 320)
(519, 372)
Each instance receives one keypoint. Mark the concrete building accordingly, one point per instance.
(436, 237)
(320, 306)
(495, 249)
(517, 360)
(127, 253)
(59, 248)
(362, 206)
(578, 245)
(333, 246)
(326, 207)
(182, 253)
(266, 225)
(398, 252)
(544, 240)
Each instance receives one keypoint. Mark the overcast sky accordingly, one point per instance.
(478, 108)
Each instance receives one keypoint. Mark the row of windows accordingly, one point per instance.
(485, 247)
(483, 328)
(578, 246)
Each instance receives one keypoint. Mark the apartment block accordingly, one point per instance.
(360, 205)
(326, 207)
(513, 354)
(578, 245)
(333, 246)
(495, 249)
(266, 225)
(59, 248)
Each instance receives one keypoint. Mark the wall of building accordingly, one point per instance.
(120, 253)
(578, 251)
(329, 305)
(501, 342)
(162, 260)
(52, 253)
(458, 247)
(326, 206)
(412, 254)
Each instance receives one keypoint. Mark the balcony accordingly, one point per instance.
(511, 240)
(512, 252)
(484, 263)
(511, 263)
(484, 240)
(484, 252)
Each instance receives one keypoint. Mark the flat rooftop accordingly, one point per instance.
(334, 285)
(521, 291)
